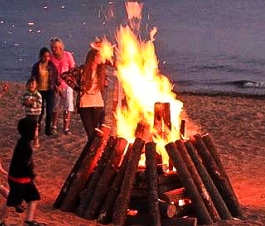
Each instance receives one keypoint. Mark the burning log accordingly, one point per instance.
(88, 192)
(188, 183)
(182, 130)
(83, 173)
(122, 202)
(142, 131)
(105, 180)
(214, 193)
(219, 180)
(151, 180)
(198, 181)
(162, 119)
(208, 141)
(106, 210)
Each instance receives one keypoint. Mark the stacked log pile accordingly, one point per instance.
(108, 185)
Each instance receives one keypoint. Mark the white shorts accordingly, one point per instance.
(64, 102)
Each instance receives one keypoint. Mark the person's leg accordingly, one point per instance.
(86, 115)
(67, 117)
(31, 210)
(44, 96)
(49, 111)
(68, 107)
(98, 116)
(55, 114)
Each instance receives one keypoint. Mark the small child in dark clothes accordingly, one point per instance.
(21, 175)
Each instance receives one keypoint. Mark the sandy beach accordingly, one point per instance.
(237, 125)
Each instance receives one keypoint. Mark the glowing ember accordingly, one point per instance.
(137, 69)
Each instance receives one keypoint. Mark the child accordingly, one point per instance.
(21, 176)
(32, 101)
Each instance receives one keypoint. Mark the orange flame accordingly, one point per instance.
(104, 47)
(137, 69)
(134, 10)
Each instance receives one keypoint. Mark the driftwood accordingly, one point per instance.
(198, 181)
(105, 180)
(122, 202)
(88, 192)
(208, 141)
(188, 183)
(219, 180)
(106, 210)
(85, 170)
(214, 193)
(151, 180)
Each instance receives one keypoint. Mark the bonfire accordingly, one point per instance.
(151, 173)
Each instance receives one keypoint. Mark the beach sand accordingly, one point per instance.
(237, 125)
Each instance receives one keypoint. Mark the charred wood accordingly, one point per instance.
(214, 193)
(208, 141)
(67, 184)
(122, 203)
(198, 181)
(151, 180)
(88, 192)
(188, 183)
(105, 180)
(82, 175)
(219, 180)
(106, 210)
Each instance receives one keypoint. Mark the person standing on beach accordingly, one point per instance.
(89, 82)
(21, 176)
(46, 75)
(64, 61)
(32, 101)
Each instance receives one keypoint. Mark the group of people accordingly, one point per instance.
(54, 78)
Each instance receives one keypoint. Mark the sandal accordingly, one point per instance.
(33, 223)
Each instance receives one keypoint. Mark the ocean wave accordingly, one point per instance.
(239, 84)
(248, 84)
(227, 68)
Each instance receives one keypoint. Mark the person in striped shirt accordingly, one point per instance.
(32, 102)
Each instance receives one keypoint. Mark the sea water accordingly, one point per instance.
(202, 45)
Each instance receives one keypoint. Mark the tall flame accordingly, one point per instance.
(137, 69)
